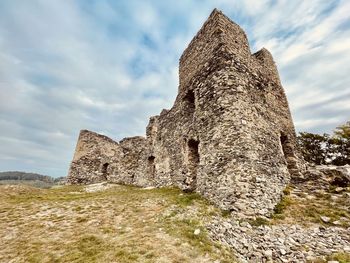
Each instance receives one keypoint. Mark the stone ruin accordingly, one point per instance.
(229, 135)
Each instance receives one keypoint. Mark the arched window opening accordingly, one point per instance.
(151, 166)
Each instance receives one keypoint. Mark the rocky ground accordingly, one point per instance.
(310, 224)
(114, 223)
(282, 243)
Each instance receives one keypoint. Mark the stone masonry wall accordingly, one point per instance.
(98, 158)
(228, 136)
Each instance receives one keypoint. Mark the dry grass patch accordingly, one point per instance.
(306, 209)
(120, 224)
(340, 257)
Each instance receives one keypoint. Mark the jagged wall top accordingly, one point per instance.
(217, 32)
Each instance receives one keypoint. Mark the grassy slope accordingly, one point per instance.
(121, 224)
(307, 209)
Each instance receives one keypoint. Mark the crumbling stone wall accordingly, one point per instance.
(228, 136)
(98, 158)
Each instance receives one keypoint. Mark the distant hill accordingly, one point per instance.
(33, 179)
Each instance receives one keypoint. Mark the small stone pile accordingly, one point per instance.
(92, 188)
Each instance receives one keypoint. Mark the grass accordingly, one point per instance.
(130, 224)
(120, 224)
(259, 221)
(305, 211)
(293, 209)
(285, 203)
(340, 257)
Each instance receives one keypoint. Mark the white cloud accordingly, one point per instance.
(306, 124)
(313, 58)
(109, 65)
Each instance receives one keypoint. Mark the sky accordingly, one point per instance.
(108, 65)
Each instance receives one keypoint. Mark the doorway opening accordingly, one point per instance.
(193, 162)
(105, 171)
(151, 166)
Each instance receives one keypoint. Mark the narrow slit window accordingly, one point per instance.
(151, 166)
(190, 100)
(193, 162)
(105, 171)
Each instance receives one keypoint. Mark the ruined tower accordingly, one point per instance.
(228, 136)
